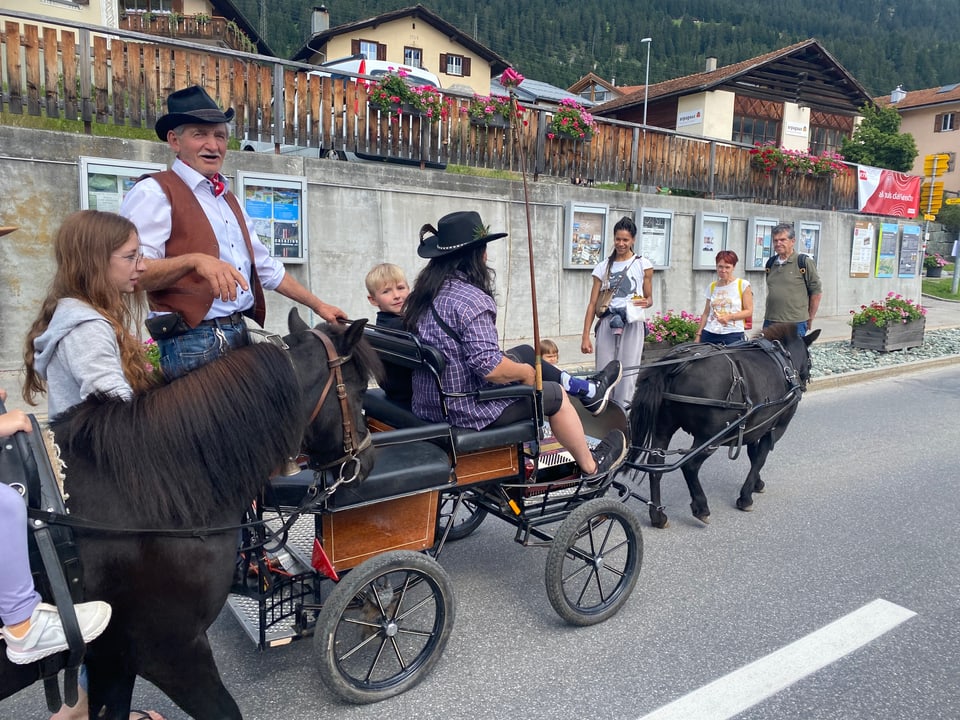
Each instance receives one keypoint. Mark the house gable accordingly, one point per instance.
(803, 73)
(455, 57)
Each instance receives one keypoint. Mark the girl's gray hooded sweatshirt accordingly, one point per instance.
(78, 355)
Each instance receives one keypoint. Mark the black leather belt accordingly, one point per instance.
(234, 319)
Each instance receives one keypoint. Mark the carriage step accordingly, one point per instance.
(299, 547)
(247, 612)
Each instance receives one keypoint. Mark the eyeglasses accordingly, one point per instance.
(132, 258)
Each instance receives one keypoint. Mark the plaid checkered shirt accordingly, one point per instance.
(472, 315)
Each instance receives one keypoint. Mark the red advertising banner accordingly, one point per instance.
(885, 192)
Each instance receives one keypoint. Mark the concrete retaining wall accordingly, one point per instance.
(361, 214)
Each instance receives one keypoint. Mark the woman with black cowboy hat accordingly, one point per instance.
(452, 308)
(206, 268)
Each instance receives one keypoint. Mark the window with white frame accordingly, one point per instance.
(947, 122)
(413, 56)
(454, 64)
(144, 6)
(368, 49)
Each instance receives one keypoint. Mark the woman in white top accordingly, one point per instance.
(620, 337)
(729, 303)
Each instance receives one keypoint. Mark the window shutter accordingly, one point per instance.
(466, 67)
(178, 6)
(381, 51)
(354, 47)
(937, 122)
(443, 63)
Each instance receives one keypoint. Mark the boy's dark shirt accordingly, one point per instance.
(398, 385)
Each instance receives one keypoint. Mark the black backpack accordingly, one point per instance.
(801, 263)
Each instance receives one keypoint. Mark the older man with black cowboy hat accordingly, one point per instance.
(206, 267)
(452, 308)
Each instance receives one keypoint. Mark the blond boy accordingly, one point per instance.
(387, 290)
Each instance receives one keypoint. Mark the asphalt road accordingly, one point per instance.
(861, 504)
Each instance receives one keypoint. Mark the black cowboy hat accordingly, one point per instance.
(191, 105)
(455, 232)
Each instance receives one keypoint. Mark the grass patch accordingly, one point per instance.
(76, 126)
(483, 172)
(940, 288)
(124, 132)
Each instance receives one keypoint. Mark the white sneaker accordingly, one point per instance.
(46, 637)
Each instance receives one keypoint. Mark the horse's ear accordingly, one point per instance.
(810, 337)
(295, 322)
(354, 333)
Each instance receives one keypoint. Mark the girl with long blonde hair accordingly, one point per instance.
(83, 340)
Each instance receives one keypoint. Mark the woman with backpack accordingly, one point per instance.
(729, 308)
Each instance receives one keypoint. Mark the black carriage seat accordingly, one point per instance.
(407, 462)
(398, 349)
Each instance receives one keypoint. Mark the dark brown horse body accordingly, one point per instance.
(191, 454)
(738, 396)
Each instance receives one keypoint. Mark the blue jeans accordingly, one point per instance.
(722, 338)
(801, 326)
(200, 345)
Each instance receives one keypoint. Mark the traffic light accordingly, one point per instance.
(931, 198)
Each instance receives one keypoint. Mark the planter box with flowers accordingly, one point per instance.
(572, 122)
(391, 94)
(934, 265)
(493, 111)
(667, 330)
(894, 323)
(772, 159)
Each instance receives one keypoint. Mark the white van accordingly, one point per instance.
(360, 65)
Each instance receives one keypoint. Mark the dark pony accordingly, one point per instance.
(735, 396)
(191, 455)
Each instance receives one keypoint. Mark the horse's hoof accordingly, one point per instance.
(745, 506)
(759, 487)
(705, 519)
(659, 521)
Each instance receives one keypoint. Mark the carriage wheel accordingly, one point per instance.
(467, 518)
(594, 561)
(384, 626)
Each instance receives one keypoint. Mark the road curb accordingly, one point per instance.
(828, 382)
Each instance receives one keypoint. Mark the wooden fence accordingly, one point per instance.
(78, 73)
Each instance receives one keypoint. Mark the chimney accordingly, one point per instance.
(711, 64)
(320, 20)
(898, 94)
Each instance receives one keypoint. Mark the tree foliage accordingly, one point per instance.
(559, 41)
(879, 142)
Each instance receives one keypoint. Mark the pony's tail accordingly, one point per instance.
(647, 400)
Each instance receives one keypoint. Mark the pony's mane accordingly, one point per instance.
(177, 453)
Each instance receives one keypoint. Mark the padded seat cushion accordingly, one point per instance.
(398, 470)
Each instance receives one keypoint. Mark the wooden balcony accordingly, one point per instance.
(195, 28)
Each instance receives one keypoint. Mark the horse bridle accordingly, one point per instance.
(351, 448)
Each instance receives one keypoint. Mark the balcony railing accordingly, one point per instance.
(202, 28)
(80, 72)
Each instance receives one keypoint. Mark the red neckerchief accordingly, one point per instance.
(219, 187)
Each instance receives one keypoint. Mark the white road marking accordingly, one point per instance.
(744, 688)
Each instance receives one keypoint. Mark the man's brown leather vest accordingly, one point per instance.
(191, 232)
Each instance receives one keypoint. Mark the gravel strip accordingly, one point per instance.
(838, 357)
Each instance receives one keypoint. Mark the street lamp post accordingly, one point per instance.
(646, 91)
